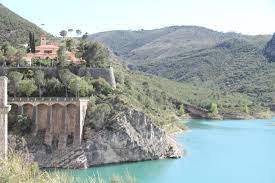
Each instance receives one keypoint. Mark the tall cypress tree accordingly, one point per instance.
(30, 43)
(33, 43)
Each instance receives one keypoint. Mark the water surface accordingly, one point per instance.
(217, 152)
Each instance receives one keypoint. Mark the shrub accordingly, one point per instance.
(45, 62)
(97, 115)
(80, 87)
(181, 110)
(214, 108)
(27, 87)
(16, 168)
(54, 87)
(24, 123)
(245, 108)
(102, 87)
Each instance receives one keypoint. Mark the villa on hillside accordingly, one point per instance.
(48, 50)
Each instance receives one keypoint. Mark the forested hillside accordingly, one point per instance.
(213, 67)
(225, 62)
(14, 28)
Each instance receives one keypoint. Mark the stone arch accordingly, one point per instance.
(57, 117)
(42, 103)
(28, 110)
(12, 115)
(42, 116)
(14, 108)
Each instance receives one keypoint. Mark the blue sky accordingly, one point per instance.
(244, 16)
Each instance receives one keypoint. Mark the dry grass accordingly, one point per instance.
(18, 169)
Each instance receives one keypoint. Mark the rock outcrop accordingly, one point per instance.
(270, 49)
(128, 136)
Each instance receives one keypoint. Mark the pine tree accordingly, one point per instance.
(33, 43)
(30, 43)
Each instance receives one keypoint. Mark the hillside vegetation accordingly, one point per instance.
(201, 77)
(226, 63)
(15, 29)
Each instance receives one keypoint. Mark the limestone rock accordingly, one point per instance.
(129, 136)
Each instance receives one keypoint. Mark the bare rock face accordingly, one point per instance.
(270, 49)
(129, 136)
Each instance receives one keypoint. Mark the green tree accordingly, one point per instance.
(181, 110)
(102, 86)
(78, 32)
(39, 78)
(95, 55)
(2, 58)
(5, 47)
(70, 45)
(15, 78)
(31, 47)
(29, 74)
(24, 123)
(27, 87)
(19, 57)
(245, 107)
(66, 76)
(54, 87)
(85, 36)
(63, 33)
(70, 31)
(9, 52)
(214, 108)
(62, 56)
(80, 87)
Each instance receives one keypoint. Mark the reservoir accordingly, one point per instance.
(229, 151)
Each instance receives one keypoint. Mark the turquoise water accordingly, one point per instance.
(217, 152)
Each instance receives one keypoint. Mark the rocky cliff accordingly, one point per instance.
(127, 137)
(270, 49)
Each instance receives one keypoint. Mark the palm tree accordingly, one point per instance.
(70, 31)
(63, 33)
(78, 32)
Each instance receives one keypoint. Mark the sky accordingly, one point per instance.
(242, 16)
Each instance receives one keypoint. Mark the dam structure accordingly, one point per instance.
(4, 109)
(61, 118)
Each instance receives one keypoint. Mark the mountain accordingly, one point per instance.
(225, 62)
(15, 29)
(165, 42)
(165, 52)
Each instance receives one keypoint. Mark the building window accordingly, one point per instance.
(48, 51)
(37, 51)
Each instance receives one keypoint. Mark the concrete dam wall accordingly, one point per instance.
(60, 118)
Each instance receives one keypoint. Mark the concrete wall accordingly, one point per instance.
(105, 73)
(4, 109)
